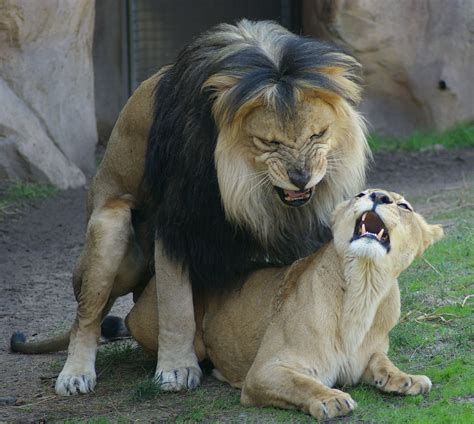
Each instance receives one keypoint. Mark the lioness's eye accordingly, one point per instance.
(275, 143)
(404, 206)
(362, 194)
(319, 134)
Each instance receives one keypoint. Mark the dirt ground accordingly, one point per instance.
(38, 248)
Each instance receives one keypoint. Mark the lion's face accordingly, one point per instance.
(381, 226)
(293, 157)
(265, 166)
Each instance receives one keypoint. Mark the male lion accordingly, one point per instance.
(236, 155)
(289, 335)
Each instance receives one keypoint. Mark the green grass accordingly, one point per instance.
(18, 193)
(458, 137)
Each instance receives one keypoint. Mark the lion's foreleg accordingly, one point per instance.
(108, 234)
(384, 375)
(286, 386)
(177, 367)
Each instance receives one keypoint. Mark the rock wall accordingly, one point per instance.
(47, 117)
(418, 58)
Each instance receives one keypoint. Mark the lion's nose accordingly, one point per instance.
(380, 198)
(299, 177)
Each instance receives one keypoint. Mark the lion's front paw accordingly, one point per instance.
(177, 379)
(67, 385)
(401, 383)
(334, 405)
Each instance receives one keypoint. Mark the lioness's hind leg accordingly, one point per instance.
(387, 377)
(108, 240)
(286, 386)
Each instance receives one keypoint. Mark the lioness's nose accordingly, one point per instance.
(299, 177)
(379, 198)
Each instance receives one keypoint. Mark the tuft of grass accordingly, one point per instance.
(100, 420)
(19, 193)
(458, 137)
(28, 191)
(55, 365)
(211, 404)
(145, 390)
(119, 352)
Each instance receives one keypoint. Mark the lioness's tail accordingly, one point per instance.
(111, 328)
(18, 343)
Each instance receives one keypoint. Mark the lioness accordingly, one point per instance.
(235, 155)
(288, 336)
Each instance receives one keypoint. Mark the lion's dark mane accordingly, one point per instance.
(180, 181)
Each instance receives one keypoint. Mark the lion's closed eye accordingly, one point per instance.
(319, 135)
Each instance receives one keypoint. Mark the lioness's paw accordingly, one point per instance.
(175, 380)
(335, 405)
(67, 385)
(401, 383)
(420, 384)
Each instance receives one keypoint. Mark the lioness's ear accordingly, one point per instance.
(431, 234)
(437, 232)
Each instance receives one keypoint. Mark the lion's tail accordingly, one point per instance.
(18, 343)
(111, 328)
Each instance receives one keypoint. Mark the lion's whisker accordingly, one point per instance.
(259, 184)
(252, 175)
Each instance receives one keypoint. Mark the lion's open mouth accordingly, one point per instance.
(370, 226)
(294, 198)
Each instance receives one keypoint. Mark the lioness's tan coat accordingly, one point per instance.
(289, 335)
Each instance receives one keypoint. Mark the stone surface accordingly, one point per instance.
(418, 58)
(47, 117)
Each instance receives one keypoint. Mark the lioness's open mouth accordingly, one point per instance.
(294, 198)
(370, 225)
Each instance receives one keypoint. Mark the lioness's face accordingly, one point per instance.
(293, 156)
(378, 224)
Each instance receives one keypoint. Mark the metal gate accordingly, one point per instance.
(158, 29)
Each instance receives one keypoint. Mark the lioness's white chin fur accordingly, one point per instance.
(367, 248)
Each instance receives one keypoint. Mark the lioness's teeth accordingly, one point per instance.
(363, 216)
(380, 234)
(363, 229)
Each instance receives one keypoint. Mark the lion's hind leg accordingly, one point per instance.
(109, 243)
(177, 366)
(381, 373)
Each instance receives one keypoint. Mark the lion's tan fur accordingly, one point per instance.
(289, 335)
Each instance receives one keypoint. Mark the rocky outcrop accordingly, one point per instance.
(418, 58)
(47, 118)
